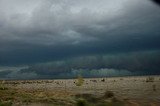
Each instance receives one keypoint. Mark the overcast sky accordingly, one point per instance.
(42, 31)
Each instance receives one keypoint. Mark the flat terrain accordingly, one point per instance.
(116, 91)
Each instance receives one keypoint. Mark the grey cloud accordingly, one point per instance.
(39, 31)
(18, 75)
(104, 72)
(7, 72)
(134, 63)
(107, 65)
(54, 22)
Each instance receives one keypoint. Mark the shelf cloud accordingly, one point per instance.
(34, 32)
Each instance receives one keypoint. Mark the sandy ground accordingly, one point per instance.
(136, 90)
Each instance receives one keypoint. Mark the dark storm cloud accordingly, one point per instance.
(156, 1)
(135, 61)
(51, 30)
(124, 64)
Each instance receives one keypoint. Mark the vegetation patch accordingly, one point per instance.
(5, 103)
(150, 79)
(107, 99)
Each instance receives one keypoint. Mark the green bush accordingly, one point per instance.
(5, 103)
(81, 102)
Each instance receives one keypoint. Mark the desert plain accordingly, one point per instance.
(113, 91)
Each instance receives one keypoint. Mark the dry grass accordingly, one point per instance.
(107, 99)
(93, 92)
(11, 96)
(22, 96)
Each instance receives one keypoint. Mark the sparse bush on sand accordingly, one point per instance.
(121, 78)
(103, 80)
(154, 87)
(150, 79)
(2, 86)
(108, 94)
(80, 81)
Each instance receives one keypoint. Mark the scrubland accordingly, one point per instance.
(115, 91)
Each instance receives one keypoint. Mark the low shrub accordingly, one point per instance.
(2, 87)
(81, 102)
(150, 79)
(108, 94)
(88, 97)
(5, 103)
(154, 87)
